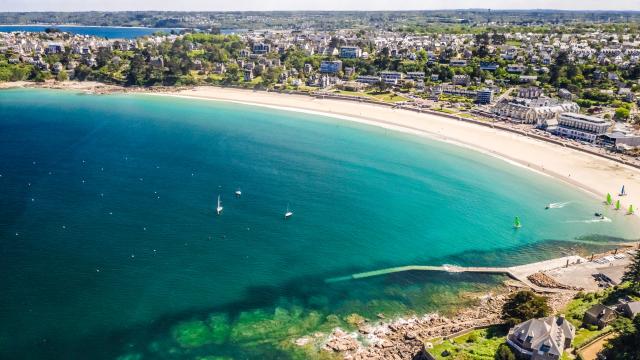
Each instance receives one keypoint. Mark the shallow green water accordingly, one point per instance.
(109, 237)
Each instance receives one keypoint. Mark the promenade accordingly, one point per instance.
(519, 273)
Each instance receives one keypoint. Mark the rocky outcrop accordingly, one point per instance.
(543, 280)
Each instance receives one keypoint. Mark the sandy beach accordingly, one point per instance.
(591, 173)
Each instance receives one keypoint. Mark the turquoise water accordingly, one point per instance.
(109, 32)
(109, 238)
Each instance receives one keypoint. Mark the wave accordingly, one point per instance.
(589, 221)
(559, 205)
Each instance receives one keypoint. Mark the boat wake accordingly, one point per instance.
(590, 221)
(559, 205)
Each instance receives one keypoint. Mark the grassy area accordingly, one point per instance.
(478, 344)
(516, 43)
(583, 335)
(387, 96)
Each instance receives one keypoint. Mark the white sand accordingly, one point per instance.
(591, 173)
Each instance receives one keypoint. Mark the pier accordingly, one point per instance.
(519, 273)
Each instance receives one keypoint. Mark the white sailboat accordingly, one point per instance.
(288, 213)
(238, 192)
(219, 207)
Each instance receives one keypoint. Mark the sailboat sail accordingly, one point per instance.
(609, 199)
(618, 205)
(630, 211)
(622, 192)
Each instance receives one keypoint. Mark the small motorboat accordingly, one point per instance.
(288, 213)
(598, 215)
(238, 193)
(547, 207)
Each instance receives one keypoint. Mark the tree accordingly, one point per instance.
(625, 346)
(62, 76)
(504, 352)
(633, 272)
(524, 305)
(622, 113)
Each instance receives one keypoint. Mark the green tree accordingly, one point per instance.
(625, 346)
(622, 113)
(633, 272)
(524, 305)
(62, 76)
(504, 352)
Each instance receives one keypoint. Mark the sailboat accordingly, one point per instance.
(609, 200)
(288, 213)
(617, 204)
(238, 192)
(516, 223)
(630, 211)
(622, 192)
(219, 207)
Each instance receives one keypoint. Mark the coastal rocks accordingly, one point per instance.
(341, 341)
(543, 280)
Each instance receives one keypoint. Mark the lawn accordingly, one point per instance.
(385, 96)
(478, 344)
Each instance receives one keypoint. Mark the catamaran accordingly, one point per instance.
(288, 213)
(219, 207)
(516, 223)
(238, 193)
(622, 192)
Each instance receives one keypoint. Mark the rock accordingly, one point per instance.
(410, 335)
(380, 316)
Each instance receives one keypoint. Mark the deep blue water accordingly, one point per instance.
(109, 237)
(110, 32)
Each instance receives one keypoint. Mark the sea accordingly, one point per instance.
(109, 32)
(111, 247)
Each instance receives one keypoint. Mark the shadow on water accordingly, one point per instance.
(406, 292)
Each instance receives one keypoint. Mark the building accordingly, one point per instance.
(247, 75)
(599, 315)
(261, 48)
(581, 127)
(541, 339)
(516, 68)
(463, 80)
(458, 62)
(565, 94)
(330, 67)
(416, 75)
(630, 309)
(350, 52)
(391, 77)
(489, 66)
(368, 79)
(532, 111)
(484, 96)
(530, 92)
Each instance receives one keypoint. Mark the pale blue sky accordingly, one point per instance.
(226, 5)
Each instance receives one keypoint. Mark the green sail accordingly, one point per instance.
(609, 200)
(516, 222)
(618, 205)
(630, 210)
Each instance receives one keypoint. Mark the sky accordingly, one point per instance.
(268, 5)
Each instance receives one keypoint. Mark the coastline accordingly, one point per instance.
(383, 337)
(591, 173)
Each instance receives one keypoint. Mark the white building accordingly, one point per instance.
(581, 127)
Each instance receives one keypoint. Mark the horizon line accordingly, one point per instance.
(337, 11)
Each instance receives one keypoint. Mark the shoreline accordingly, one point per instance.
(381, 336)
(593, 174)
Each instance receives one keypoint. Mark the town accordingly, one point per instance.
(568, 79)
(579, 84)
